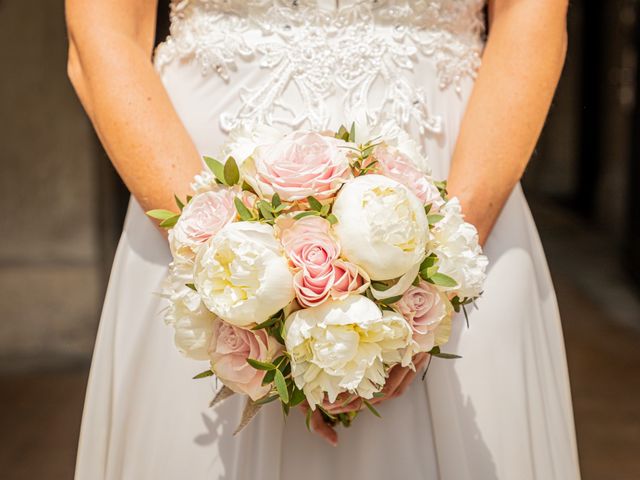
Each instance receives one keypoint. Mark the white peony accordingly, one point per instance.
(382, 226)
(345, 345)
(455, 242)
(242, 275)
(192, 322)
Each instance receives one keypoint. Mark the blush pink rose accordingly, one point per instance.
(310, 245)
(202, 218)
(313, 289)
(300, 165)
(229, 349)
(424, 308)
(396, 165)
(348, 280)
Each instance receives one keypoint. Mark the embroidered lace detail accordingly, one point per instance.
(325, 51)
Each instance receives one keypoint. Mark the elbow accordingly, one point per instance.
(74, 68)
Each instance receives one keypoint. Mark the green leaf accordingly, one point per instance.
(266, 399)
(434, 218)
(258, 365)
(429, 272)
(179, 202)
(332, 219)
(378, 395)
(314, 203)
(427, 209)
(442, 280)
(281, 386)
(324, 211)
(297, 397)
(307, 420)
(305, 214)
(448, 356)
(191, 286)
(275, 200)
(189, 197)
(205, 374)
(430, 261)
(390, 300)
(265, 210)
(216, 168)
(352, 133)
(231, 172)
(268, 377)
(243, 211)
(170, 222)
(371, 408)
(380, 286)
(161, 214)
(267, 323)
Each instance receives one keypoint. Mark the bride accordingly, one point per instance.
(474, 98)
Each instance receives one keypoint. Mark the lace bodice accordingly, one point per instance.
(321, 48)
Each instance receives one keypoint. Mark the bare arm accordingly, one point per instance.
(110, 44)
(521, 67)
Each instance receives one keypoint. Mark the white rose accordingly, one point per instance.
(455, 242)
(242, 275)
(344, 345)
(192, 322)
(382, 226)
(243, 140)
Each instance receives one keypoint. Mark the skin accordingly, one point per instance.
(110, 46)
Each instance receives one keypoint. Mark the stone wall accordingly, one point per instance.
(51, 265)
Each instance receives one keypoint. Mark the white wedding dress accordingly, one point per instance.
(503, 411)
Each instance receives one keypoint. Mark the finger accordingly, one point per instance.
(353, 405)
(319, 426)
(419, 362)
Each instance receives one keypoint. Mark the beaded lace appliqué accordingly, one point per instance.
(324, 52)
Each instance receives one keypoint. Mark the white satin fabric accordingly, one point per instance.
(503, 411)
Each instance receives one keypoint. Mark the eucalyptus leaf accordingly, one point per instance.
(390, 300)
(281, 386)
(314, 203)
(161, 214)
(265, 210)
(170, 222)
(371, 408)
(205, 374)
(243, 211)
(442, 280)
(216, 168)
(258, 365)
(275, 200)
(297, 397)
(231, 172)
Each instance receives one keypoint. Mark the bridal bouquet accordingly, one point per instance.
(308, 264)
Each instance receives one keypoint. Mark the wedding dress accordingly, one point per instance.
(503, 411)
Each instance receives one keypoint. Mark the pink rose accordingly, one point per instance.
(313, 289)
(229, 349)
(299, 165)
(396, 165)
(424, 308)
(202, 218)
(309, 244)
(348, 280)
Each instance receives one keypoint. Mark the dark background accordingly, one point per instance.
(63, 207)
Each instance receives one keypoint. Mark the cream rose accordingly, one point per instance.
(344, 345)
(242, 275)
(455, 242)
(229, 349)
(299, 165)
(382, 226)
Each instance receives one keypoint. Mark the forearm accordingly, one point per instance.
(521, 67)
(133, 116)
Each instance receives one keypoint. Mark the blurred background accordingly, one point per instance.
(63, 207)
